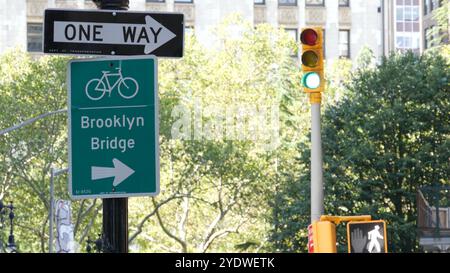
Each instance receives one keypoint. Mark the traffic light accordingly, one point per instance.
(312, 60)
(322, 237)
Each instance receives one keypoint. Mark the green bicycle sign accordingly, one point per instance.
(114, 139)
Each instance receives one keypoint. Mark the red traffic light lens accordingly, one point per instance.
(310, 59)
(309, 37)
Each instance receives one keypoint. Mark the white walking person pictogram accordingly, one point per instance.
(373, 237)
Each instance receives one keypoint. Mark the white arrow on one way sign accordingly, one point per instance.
(120, 172)
(151, 34)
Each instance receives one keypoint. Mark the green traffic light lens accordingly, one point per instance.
(311, 80)
(310, 59)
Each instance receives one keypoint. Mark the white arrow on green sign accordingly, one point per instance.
(113, 128)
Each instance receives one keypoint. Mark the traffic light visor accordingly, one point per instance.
(309, 37)
(310, 59)
(311, 80)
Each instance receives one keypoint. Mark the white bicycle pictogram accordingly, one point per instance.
(97, 88)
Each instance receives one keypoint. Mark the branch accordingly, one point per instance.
(219, 234)
(223, 212)
(5, 185)
(165, 248)
(183, 220)
(148, 216)
(42, 234)
(34, 188)
(168, 233)
(33, 230)
(91, 223)
(77, 223)
(82, 215)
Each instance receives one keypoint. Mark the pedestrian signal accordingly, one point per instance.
(367, 237)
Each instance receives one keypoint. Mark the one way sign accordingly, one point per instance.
(111, 32)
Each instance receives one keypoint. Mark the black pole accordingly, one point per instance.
(115, 225)
(115, 210)
(112, 4)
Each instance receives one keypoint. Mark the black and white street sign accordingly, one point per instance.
(367, 237)
(113, 32)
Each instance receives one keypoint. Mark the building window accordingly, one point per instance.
(184, 1)
(428, 38)
(34, 37)
(287, 2)
(293, 33)
(435, 4)
(344, 3)
(259, 2)
(315, 3)
(189, 30)
(344, 43)
(430, 5)
(407, 24)
(432, 37)
(426, 7)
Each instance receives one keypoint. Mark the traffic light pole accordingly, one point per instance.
(115, 210)
(317, 209)
(314, 84)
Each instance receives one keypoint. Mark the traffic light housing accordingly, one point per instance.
(312, 60)
(322, 237)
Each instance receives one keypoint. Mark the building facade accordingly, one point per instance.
(349, 25)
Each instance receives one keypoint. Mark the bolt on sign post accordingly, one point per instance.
(367, 237)
(313, 84)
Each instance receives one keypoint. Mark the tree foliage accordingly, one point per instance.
(385, 140)
(28, 88)
(219, 176)
(216, 181)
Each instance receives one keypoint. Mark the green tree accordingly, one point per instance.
(218, 181)
(385, 140)
(28, 88)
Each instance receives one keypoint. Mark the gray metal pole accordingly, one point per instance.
(51, 216)
(29, 121)
(316, 165)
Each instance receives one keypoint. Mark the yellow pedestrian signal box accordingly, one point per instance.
(312, 60)
(322, 237)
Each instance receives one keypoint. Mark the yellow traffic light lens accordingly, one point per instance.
(310, 59)
(309, 37)
(311, 80)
